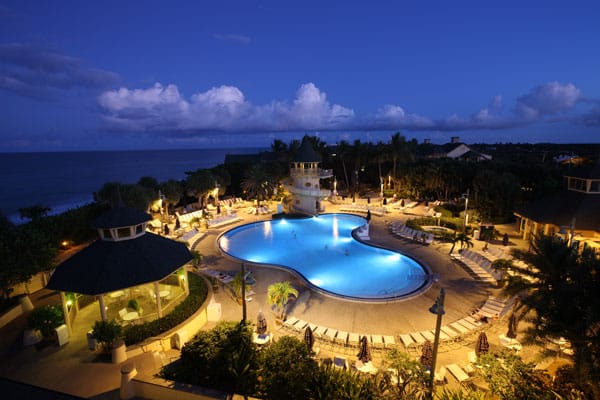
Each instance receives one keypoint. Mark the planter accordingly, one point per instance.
(26, 303)
(31, 337)
(119, 352)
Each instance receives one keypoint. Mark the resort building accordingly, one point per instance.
(134, 275)
(573, 213)
(304, 183)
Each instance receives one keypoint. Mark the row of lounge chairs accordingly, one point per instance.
(339, 337)
(234, 202)
(479, 265)
(363, 208)
(405, 232)
(222, 220)
(262, 210)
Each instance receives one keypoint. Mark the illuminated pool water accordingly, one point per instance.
(322, 250)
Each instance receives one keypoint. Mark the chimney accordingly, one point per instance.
(426, 141)
(455, 139)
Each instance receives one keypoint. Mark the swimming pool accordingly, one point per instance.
(322, 251)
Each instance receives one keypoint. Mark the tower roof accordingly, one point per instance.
(306, 153)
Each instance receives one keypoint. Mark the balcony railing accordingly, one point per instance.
(320, 173)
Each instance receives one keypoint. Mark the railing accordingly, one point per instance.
(320, 173)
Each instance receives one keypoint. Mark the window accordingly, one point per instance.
(595, 186)
(123, 232)
(307, 184)
(138, 229)
(106, 234)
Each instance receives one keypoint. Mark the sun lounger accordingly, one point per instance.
(440, 376)
(418, 338)
(451, 333)
(459, 328)
(331, 334)
(459, 374)
(389, 341)
(320, 331)
(377, 341)
(342, 338)
(428, 335)
(407, 340)
(353, 339)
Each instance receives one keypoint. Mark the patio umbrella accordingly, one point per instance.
(481, 346)
(427, 354)
(512, 327)
(364, 353)
(261, 323)
(309, 339)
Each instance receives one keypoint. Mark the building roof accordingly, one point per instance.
(106, 266)
(561, 208)
(119, 217)
(306, 153)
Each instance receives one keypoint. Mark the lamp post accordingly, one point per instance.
(466, 196)
(438, 309)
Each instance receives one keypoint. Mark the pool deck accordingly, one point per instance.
(72, 368)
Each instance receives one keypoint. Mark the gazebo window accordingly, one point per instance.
(123, 232)
(138, 229)
(595, 186)
(106, 234)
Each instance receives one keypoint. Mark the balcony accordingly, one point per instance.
(311, 173)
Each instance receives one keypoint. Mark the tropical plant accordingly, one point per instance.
(199, 183)
(46, 319)
(460, 394)
(288, 369)
(133, 304)
(107, 333)
(410, 377)
(257, 184)
(278, 294)
(561, 286)
(462, 238)
(34, 212)
(509, 377)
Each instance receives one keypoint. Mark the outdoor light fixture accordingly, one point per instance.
(438, 309)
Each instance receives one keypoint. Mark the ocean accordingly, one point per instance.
(65, 180)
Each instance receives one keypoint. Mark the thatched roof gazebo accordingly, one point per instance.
(124, 256)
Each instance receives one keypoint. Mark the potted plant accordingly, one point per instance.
(46, 319)
(107, 333)
(133, 305)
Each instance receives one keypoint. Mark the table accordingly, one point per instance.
(130, 316)
(116, 294)
(164, 293)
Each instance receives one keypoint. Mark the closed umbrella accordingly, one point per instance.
(512, 327)
(364, 353)
(309, 339)
(482, 346)
(261, 323)
(427, 355)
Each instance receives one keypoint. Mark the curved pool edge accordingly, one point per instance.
(427, 282)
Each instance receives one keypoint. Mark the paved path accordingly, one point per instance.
(74, 369)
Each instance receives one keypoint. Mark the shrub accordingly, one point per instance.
(106, 333)
(46, 319)
(133, 304)
(181, 312)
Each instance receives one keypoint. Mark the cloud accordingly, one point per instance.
(230, 37)
(222, 108)
(549, 99)
(226, 109)
(38, 72)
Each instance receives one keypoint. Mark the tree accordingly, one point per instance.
(463, 239)
(172, 191)
(116, 194)
(561, 287)
(257, 184)
(410, 376)
(288, 369)
(279, 293)
(199, 183)
(510, 378)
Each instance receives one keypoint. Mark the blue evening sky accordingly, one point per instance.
(80, 75)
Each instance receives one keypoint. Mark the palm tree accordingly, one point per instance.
(463, 239)
(279, 293)
(199, 183)
(560, 286)
(257, 184)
